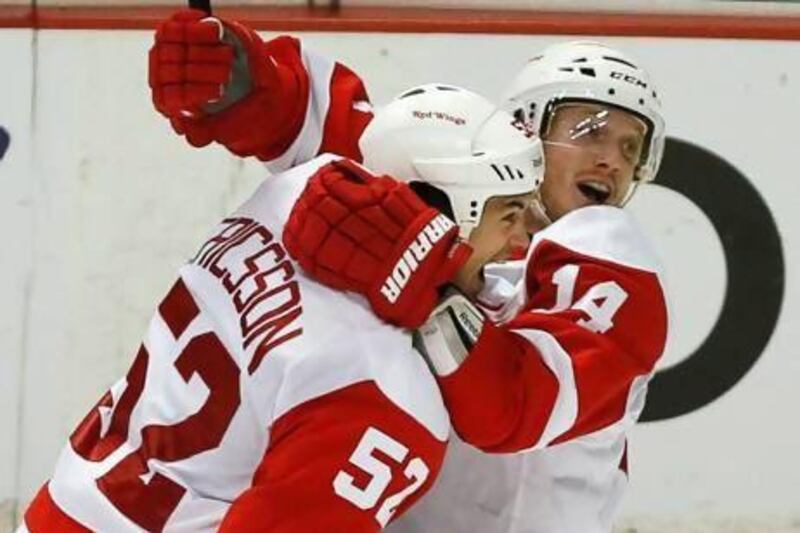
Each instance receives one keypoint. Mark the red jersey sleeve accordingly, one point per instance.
(574, 360)
(321, 106)
(347, 461)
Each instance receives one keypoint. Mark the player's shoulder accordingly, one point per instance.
(304, 171)
(344, 344)
(276, 195)
(602, 232)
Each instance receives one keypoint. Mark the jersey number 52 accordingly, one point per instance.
(380, 475)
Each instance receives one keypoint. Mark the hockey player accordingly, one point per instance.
(261, 400)
(584, 315)
(560, 368)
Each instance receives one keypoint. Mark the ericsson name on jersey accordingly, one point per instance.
(259, 400)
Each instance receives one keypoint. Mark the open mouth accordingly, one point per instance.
(596, 192)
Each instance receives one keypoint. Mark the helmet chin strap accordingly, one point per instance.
(539, 211)
(465, 229)
(631, 190)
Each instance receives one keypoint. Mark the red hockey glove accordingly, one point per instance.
(189, 63)
(372, 235)
(216, 80)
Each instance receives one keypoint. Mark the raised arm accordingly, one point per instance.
(217, 81)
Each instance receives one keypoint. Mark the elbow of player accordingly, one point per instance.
(509, 419)
(493, 425)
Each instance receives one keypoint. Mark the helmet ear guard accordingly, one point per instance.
(582, 71)
(456, 142)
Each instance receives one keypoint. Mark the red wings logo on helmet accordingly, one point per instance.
(438, 115)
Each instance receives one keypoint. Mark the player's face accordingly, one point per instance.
(503, 233)
(591, 154)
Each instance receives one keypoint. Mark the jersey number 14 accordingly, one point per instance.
(600, 303)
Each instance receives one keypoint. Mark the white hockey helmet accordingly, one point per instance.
(584, 71)
(457, 142)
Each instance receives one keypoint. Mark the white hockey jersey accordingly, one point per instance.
(591, 270)
(587, 311)
(258, 401)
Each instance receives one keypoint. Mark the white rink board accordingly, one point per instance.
(111, 203)
(16, 189)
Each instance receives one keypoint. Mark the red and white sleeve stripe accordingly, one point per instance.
(337, 112)
(574, 360)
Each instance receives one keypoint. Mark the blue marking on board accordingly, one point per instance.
(5, 140)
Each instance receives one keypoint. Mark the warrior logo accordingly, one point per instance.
(409, 262)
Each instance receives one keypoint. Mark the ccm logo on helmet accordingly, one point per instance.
(628, 78)
(416, 252)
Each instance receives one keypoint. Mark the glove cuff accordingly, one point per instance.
(447, 337)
